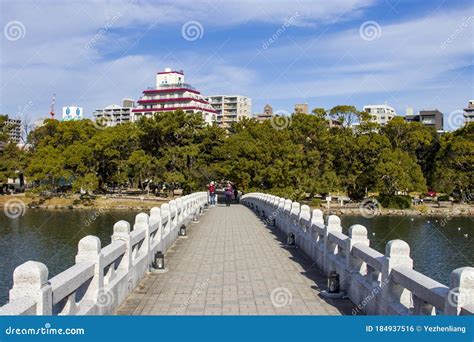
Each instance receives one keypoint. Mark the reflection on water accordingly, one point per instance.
(52, 237)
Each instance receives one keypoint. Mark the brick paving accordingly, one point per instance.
(232, 264)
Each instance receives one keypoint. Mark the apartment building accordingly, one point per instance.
(230, 108)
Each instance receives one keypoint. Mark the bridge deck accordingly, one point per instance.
(231, 264)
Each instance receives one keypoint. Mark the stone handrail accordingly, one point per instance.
(378, 284)
(102, 278)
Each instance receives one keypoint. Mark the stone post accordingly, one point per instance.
(155, 219)
(30, 280)
(357, 234)
(316, 220)
(286, 216)
(122, 233)
(165, 216)
(334, 225)
(179, 212)
(88, 250)
(317, 217)
(305, 215)
(174, 217)
(142, 221)
(461, 291)
(304, 228)
(394, 297)
(294, 216)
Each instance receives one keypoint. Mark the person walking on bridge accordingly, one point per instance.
(212, 194)
(228, 191)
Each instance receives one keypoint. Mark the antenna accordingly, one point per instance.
(53, 102)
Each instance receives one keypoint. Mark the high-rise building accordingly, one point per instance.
(380, 114)
(469, 112)
(72, 113)
(301, 108)
(432, 118)
(428, 117)
(230, 108)
(114, 115)
(172, 93)
(12, 128)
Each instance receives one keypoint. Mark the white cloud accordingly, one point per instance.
(79, 50)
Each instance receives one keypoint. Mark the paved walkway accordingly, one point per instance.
(231, 264)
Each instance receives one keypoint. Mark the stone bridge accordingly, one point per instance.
(236, 261)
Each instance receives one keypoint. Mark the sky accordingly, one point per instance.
(417, 54)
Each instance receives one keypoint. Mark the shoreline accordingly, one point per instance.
(457, 211)
(146, 203)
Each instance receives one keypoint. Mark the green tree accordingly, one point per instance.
(398, 171)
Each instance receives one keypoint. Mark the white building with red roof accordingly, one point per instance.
(172, 93)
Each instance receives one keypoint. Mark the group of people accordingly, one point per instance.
(230, 192)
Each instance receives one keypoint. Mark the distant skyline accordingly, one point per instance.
(417, 54)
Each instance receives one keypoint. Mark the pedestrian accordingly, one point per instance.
(236, 193)
(212, 194)
(228, 193)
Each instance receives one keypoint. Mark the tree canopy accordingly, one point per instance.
(306, 158)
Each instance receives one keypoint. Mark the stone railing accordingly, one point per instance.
(102, 278)
(378, 284)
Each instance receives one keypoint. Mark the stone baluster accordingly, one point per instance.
(165, 216)
(294, 216)
(89, 250)
(357, 235)
(279, 213)
(155, 220)
(304, 226)
(395, 298)
(142, 221)
(461, 290)
(330, 248)
(122, 233)
(305, 216)
(286, 217)
(30, 280)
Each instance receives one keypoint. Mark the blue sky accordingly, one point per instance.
(95, 53)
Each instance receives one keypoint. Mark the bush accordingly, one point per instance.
(315, 202)
(423, 208)
(395, 201)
